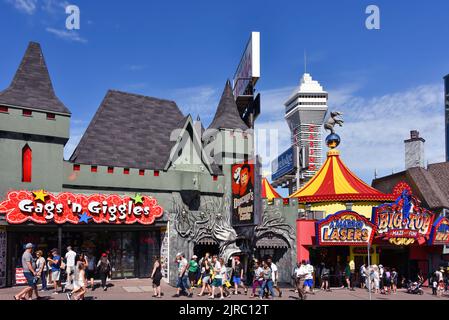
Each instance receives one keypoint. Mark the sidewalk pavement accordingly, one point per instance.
(141, 289)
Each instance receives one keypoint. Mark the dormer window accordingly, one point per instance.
(4, 109)
(27, 113)
(51, 116)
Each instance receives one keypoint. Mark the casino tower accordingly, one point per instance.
(305, 111)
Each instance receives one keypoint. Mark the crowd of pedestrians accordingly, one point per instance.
(69, 274)
(216, 278)
(379, 279)
(74, 273)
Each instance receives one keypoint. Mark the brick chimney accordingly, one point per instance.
(414, 151)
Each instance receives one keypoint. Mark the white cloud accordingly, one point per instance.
(135, 67)
(54, 6)
(77, 129)
(25, 6)
(67, 35)
(375, 128)
(200, 100)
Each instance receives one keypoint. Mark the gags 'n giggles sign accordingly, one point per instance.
(41, 207)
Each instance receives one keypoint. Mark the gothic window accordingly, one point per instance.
(27, 159)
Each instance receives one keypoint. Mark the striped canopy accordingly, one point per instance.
(268, 191)
(335, 182)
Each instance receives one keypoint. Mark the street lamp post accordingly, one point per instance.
(369, 271)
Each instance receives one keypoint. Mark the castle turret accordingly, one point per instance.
(34, 128)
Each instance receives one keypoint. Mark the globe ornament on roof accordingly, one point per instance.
(333, 140)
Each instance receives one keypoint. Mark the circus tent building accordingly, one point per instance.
(334, 192)
(268, 192)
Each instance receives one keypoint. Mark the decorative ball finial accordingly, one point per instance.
(333, 140)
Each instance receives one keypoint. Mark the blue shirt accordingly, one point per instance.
(56, 267)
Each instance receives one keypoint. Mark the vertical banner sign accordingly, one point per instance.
(164, 253)
(3, 241)
(242, 194)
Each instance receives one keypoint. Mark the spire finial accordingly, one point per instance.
(305, 61)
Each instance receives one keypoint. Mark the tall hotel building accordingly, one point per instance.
(305, 111)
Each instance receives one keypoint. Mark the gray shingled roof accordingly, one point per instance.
(31, 86)
(431, 184)
(130, 131)
(227, 115)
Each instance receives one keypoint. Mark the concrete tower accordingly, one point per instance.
(305, 111)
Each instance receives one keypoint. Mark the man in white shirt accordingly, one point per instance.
(70, 258)
(217, 282)
(308, 279)
(300, 273)
(274, 275)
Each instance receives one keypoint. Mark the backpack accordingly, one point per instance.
(104, 266)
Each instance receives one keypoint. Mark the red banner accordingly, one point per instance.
(41, 207)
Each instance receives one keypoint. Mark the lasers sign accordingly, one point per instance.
(345, 228)
(41, 207)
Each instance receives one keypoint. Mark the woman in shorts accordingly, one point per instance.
(205, 277)
(79, 284)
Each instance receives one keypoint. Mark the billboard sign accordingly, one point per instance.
(248, 70)
(242, 194)
(284, 164)
(440, 232)
(345, 228)
(403, 222)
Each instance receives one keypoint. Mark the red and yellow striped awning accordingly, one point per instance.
(268, 191)
(335, 182)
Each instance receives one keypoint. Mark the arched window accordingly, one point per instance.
(27, 161)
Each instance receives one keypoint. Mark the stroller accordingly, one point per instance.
(414, 287)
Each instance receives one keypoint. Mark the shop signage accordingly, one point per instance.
(20, 277)
(345, 228)
(41, 207)
(403, 222)
(440, 232)
(242, 194)
(284, 164)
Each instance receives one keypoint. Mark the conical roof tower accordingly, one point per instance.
(31, 86)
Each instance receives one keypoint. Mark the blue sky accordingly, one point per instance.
(387, 81)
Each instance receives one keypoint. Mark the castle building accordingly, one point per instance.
(145, 180)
